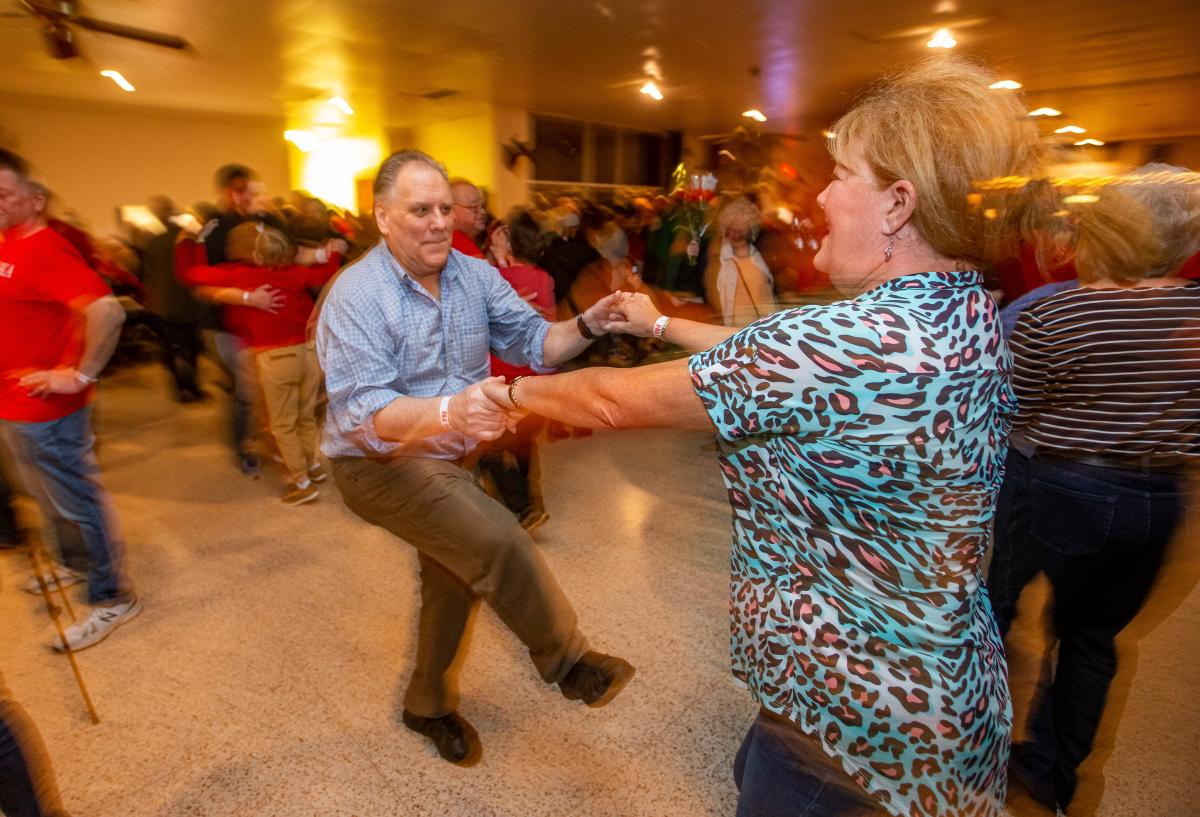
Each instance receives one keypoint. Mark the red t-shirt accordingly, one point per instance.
(258, 328)
(44, 287)
(526, 279)
(462, 242)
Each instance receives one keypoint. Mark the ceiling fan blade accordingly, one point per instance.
(131, 33)
(60, 40)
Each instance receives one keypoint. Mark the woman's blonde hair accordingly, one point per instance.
(253, 242)
(939, 126)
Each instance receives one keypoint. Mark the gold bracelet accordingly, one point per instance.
(512, 392)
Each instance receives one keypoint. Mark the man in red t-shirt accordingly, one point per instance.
(470, 217)
(59, 324)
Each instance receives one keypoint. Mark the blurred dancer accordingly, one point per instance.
(519, 242)
(742, 290)
(1110, 401)
(269, 305)
(59, 325)
(470, 218)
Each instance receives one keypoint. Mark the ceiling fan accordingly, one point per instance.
(59, 18)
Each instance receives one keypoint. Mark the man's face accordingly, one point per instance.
(240, 195)
(18, 203)
(470, 214)
(416, 220)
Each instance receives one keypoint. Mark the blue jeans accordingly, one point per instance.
(1100, 535)
(56, 461)
(782, 772)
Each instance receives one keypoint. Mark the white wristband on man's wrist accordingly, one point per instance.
(660, 326)
(322, 255)
(86, 380)
(444, 412)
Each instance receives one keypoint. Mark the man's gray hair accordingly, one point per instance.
(1172, 197)
(385, 179)
(457, 184)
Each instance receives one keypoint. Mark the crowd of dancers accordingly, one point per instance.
(878, 449)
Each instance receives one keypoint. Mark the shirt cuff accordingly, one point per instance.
(368, 439)
(537, 358)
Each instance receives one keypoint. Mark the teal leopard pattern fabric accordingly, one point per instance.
(862, 445)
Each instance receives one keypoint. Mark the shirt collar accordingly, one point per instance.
(449, 272)
(930, 280)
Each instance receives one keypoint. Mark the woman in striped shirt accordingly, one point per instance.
(1108, 379)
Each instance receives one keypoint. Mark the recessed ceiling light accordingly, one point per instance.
(755, 114)
(342, 105)
(116, 77)
(1082, 198)
(942, 38)
(1005, 85)
(1045, 112)
(1095, 142)
(302, 139)
(1071, 129)
(651, 90)
(828, 134)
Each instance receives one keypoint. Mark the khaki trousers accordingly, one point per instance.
(470, 548)
(290, 378)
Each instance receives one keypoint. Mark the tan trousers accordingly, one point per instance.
(290, 378)
(470, 548)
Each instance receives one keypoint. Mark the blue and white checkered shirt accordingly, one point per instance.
(381, 335)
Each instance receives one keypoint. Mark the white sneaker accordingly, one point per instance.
(66, 578)
(99, 624)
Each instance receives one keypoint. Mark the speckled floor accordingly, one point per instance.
(265, 675)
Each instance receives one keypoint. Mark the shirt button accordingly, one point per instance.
(749, 351)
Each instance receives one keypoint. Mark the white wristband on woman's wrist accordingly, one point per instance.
(322, 255)
(444, 412)
(660, 326)
(245, 296)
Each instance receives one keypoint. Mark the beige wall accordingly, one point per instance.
(96, 159)
(470, 147)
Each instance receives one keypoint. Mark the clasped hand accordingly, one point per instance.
(629, 313)
(482, 410)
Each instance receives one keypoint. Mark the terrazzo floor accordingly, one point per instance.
(264, 677)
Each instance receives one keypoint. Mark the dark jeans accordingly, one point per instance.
(8, 517)
(181, 351)
(239, 365)
(782, 772)
(56, 461)
(511, 474)
(27, 784)
(1099, 534)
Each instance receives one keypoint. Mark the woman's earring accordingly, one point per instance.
(887, 253)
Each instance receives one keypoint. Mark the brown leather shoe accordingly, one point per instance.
(454, 738)
(596, 678)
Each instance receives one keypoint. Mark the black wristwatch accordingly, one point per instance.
(583, 328)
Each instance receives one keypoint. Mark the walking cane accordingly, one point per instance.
(746, 287)
(36, 562)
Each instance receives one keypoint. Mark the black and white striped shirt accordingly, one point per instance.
(1111, 371)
